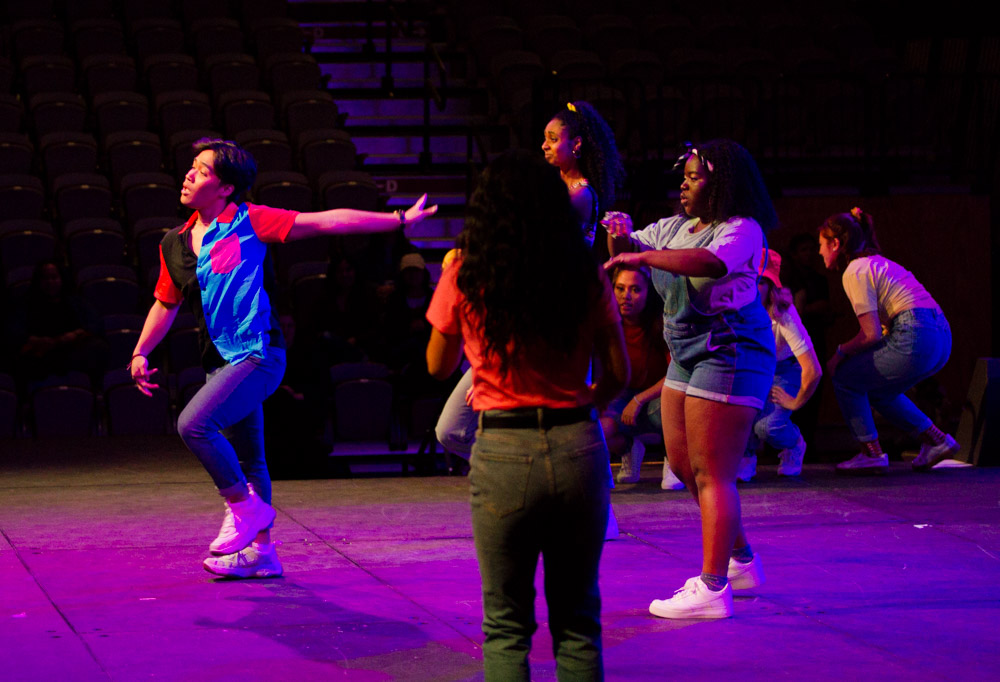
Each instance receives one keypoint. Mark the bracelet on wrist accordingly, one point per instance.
(137, 355)
(401, 214)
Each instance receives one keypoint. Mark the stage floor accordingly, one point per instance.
(101, 544)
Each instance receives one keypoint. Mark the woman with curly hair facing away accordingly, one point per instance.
(873, 369)
(705, 263)
(539, 478)
(580, 144)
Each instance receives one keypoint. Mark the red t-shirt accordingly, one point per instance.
(545, 378)
(647, 356)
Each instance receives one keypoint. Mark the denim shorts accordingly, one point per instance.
(728, 358)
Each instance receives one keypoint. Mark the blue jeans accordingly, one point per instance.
(223, 425)
(917, 346)
(456, 427)
(774, 423)
(545, 492)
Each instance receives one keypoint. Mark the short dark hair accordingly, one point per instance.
(232, 164)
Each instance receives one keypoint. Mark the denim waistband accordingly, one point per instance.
(918, 316)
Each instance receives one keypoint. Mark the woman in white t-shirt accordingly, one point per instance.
(796, 377)
(876, 368)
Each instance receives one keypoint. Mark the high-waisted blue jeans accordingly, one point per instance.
(917, 346)
(223, 425)
(542, 492)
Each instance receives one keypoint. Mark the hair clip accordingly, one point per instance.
(857, 213)
(571, 107)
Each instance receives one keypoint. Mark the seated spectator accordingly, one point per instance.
(55, 331)
(637, 411)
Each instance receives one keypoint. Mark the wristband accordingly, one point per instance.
(401, 214)
(636, 399)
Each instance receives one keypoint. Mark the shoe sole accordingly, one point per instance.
(267, 573)
(865, 471)
(706, 614)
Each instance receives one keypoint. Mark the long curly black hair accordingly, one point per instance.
(735, 185)
(522, 248)
(599, 160)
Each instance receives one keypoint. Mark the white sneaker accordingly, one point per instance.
(747, 469)
(932, 454)
(695, 600)
(255, 561)
(791, 459)
(745, 576)
(611, 532)
(248, 518)
(862, 463)
(670, 480)
(632, 463)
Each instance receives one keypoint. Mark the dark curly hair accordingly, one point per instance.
(234, 165)
(735, 185)
(599, 160)
(522, 245)
(856, 232)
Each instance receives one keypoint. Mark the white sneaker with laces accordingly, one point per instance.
(862, 463)
(747, 469)
(670, 480)
(745, 576)
(255, 561)
(632, 463)
(242, 523)
(932, 454)
(791, 459)
(695, 600)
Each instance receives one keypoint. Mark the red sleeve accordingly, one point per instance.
(271, 224)
(443, 312)
(165, 290)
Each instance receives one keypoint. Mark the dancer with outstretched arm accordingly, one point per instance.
(218, 262)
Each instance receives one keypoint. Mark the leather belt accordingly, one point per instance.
(538, 417)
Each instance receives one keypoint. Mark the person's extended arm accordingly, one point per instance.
(353, 221)
(687, 262)
(811, 374)
(869, 334)
(157, 324)
(444, 352)
(609, 342)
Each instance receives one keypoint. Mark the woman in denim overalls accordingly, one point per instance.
(705, 263)
(875, 369)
